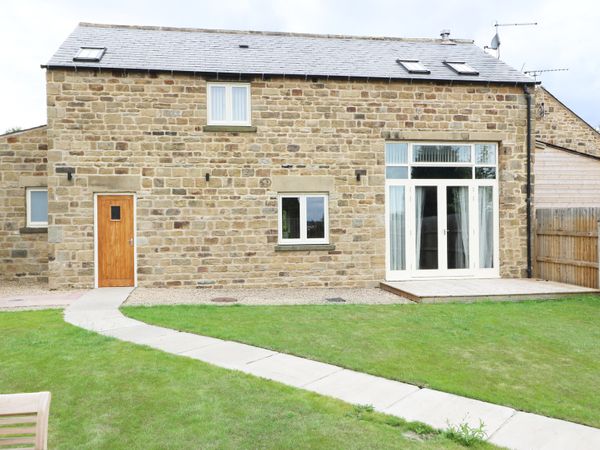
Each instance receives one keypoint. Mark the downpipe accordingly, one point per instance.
(527, 92)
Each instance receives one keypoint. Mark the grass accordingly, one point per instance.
(542, 357)
(108, 394)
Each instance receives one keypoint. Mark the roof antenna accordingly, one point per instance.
(495, 44)
(536, 73)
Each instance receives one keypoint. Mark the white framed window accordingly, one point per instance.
(228, 103)
(37, 207)
(303, 219)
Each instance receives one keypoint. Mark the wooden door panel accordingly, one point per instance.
(115, 240)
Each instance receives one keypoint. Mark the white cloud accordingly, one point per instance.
(565, 36)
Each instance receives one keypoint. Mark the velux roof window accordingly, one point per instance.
(90, 54)
(461, 67)
(413, 66)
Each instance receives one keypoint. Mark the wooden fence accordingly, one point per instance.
(566, 245)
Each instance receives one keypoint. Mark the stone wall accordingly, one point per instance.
(23, 252)
(562, 127)
(144, 133)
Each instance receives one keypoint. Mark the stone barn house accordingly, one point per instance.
(204, 158)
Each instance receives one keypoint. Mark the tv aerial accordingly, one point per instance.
(537, 72)
(495, 44)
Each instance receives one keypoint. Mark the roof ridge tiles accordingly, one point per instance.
(275, 33)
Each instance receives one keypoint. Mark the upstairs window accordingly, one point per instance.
(228, 104)
(90, 54)
(461, 68)
(37, 207)
(303, 219)
(413, 66)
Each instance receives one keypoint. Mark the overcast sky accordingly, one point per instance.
(567, 35)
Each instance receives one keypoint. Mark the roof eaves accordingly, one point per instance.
(464, 78)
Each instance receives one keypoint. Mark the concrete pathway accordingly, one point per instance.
(98, 311)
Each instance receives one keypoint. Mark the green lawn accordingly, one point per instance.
(542, 357)
(108, 394)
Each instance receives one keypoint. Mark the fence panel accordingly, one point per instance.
(566, 245)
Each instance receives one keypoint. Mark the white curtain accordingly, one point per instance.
(239, 100)
(397, 228)
(420, 206)
(461, 202)
(486, 227)
(217, 103)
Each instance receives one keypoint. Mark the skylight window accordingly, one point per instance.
(461, 68)
(413, 66)
(90, 54)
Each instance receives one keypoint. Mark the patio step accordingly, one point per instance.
(482, 289)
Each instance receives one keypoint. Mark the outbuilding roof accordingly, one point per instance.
(270, 53)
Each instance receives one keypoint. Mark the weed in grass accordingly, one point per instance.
(421, 428)
(465, 434)
(361, 411)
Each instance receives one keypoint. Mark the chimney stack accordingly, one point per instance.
(445, 34)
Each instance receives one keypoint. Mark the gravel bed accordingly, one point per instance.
(312, 296)
(13, 289)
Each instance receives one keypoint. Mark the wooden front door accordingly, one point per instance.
(116, 259)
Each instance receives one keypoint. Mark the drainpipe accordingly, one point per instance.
(527, 92)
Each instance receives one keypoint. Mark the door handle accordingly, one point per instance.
(131, 242)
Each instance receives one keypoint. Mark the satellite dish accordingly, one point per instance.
(495, 44)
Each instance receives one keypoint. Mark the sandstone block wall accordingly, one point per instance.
(23, 158)
(147, 131)
(562, 127)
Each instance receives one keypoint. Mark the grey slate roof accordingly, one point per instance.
(218, 51)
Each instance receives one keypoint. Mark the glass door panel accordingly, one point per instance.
(397, 227)
(457, 227)
(486, 226)
(426, 227)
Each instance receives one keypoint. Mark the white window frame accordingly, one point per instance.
(303, 228)
(228, 104)
(413, 66)
(28, 192)
(462, 68)
(84, 54)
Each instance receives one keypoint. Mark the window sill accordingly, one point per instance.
(303, 247)
(32, 230)
(229, 128)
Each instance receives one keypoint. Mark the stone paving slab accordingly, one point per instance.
(182, 342)
(92, 316)
(440, 409)
(101, 299)
(362, 389)
(103, 325)
(290, 369)
(139, 334)
(534, 432)
(230, 355)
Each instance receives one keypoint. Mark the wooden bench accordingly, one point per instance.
(24, 421)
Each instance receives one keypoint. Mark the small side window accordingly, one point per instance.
(37, 207)
(303, 219)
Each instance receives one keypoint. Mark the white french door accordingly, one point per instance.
(441, 210)
(441, 228)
